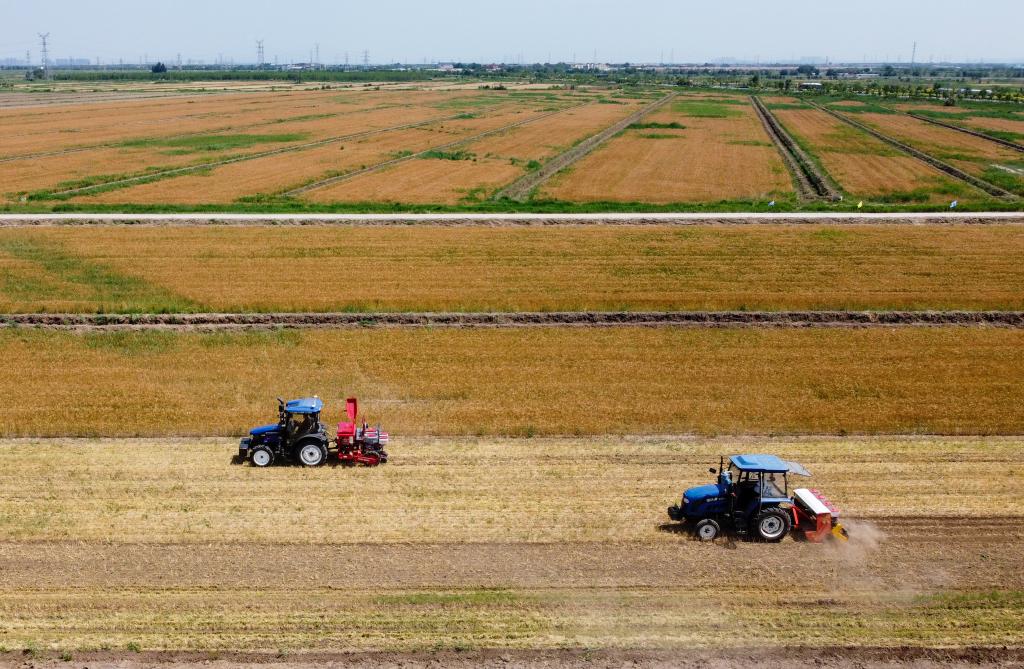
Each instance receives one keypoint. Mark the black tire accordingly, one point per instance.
(707, 530)
(772, 525)
(261, 457)
(311, 454)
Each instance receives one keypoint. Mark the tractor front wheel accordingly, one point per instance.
(262, 457)
(707, 530)
(312, 454)
(772, 525)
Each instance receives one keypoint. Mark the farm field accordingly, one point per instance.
(438, 269)
(176, 550)
(488, 163)
(974, 155)
(867, 168)
(705, 150)
(998, 120)
(536, 381)
(702, 149)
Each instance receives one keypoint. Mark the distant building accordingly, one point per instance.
(811, 86)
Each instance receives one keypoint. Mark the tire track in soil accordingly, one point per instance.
(722, 319)
(521, 189)
(754, 657)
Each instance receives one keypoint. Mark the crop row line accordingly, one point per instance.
(323, 183)
(520, 190)
(981, 184)
(249, 321)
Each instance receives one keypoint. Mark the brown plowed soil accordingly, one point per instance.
(757, 658)
(506, 220)
(516, 319)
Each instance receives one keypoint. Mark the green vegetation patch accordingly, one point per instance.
(110, 291)
(657, 126)
(706, 108)
(658, 135)
(213, 143)
(448, 155)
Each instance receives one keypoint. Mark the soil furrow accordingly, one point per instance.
(785, 319)
(509, 219)
(812, 182)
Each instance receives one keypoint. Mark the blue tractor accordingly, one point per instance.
(298, 436)
(751, 498)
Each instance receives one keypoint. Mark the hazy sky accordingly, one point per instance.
(533, 30)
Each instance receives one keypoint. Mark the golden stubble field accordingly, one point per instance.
(594, 268)
(715, 156)
(863, 165)
(623, 380)
(482, 543)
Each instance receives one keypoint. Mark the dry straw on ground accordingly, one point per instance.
(226, 269)
(535, 381)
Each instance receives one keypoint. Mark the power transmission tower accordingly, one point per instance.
(259, 52)
(28, 59)
(44, 39)
(316, 50)
(913, 55)
(366, 57)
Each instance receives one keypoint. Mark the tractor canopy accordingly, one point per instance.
(309, 405)
(769, 464)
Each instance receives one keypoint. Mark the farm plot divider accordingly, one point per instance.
(812, 182)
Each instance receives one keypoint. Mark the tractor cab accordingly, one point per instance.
(750, 496)
(298, 435)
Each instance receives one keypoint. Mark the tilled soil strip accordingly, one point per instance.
(520, 190)
(755, 657)
(415, 156)
(812, 183)
(721, 319)
(509, 219)
(991, 189)
(976, 133)
(253, 156)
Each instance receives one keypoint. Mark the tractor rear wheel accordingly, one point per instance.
(707, 530)
(262, 456)
(772, 525)
(312, 454)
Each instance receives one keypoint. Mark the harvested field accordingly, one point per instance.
(973, 155)
(496, 548)
(536, 381)
(498, 160)
(865, 166)
(467, 269)
(716, 157)
(228, 183)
